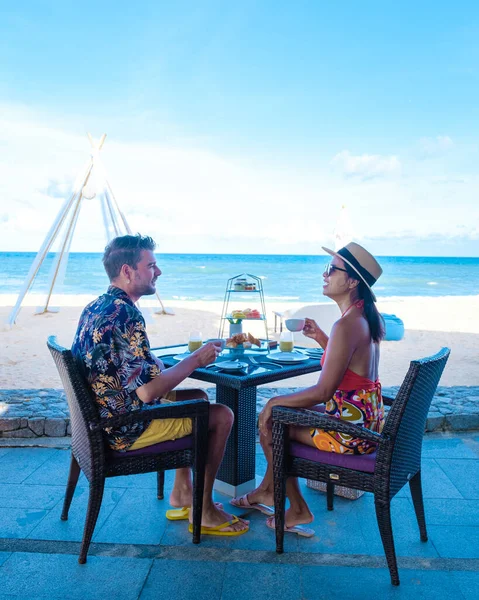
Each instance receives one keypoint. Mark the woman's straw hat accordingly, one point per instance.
(362, 261)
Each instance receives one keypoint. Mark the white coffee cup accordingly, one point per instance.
(294, 324)
(217, 341)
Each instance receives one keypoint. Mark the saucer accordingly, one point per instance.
(231, 365)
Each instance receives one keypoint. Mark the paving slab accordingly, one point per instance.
(19, 522)
(52, 528)
(184, 580)
(137, 518)
(364, 584)
(262, 582)
(452, 512)
(45, 497)
(50, 576)
(4, 556)
(54, 470)
(464, 474)
(435, 482)
(455, 542)
(450, 447)
(467, 584)
(144, 481)
(16, 466)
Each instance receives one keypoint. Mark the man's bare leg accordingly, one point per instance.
(219, 427)
(182, 491)
(220, 424)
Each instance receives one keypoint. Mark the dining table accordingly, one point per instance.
(236, 387)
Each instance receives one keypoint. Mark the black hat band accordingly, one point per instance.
(368, 278)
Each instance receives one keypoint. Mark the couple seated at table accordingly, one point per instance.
(112, 345)
(113, 349)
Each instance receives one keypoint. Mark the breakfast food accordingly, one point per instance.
(246, 313)
(242, 338)
(254, 340)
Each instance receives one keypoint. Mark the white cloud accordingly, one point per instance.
(194, 200)
(432, 147)
(190, 199)
(366, 166)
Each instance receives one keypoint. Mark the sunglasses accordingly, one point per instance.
(330, 268)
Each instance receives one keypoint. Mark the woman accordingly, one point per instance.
(348, 383)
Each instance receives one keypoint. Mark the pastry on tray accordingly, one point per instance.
(242, 338)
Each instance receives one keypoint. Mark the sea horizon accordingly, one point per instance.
(286, 277)
(161, 253)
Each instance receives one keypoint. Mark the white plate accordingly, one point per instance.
(288, 357)
(182, 356)
(231, 365)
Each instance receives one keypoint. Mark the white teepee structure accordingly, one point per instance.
(92, 182)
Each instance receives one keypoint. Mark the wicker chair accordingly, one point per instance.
(396, 461)
(91, 454)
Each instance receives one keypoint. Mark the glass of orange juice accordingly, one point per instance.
(286, 342)
(195, 341)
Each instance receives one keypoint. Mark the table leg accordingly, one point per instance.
(236, 475)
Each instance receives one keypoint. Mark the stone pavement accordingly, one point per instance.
(138, 554)
(33, 413)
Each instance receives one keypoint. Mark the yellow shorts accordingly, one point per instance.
(163, 430)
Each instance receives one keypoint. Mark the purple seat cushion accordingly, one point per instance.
(359, 462)
(179, 444)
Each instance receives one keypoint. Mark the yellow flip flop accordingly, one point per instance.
(181, 514)
(218, 529)
(178, 514)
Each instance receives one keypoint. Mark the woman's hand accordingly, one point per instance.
(264, 419)
(311, 329)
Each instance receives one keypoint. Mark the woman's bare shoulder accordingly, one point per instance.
(351, 326)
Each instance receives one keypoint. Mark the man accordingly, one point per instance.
(113, 348)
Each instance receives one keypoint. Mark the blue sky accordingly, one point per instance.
(244, 127)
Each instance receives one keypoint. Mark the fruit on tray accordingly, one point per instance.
(246, 313)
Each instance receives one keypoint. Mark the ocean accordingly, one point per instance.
(285, 278)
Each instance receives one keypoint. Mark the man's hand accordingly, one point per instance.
(207, 354)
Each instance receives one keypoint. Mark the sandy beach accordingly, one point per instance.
(430, 324)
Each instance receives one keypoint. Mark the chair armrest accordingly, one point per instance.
(388, 401)
(173, 410)
(313, 419)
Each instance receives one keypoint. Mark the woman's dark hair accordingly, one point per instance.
(125, 250)
(373, 316)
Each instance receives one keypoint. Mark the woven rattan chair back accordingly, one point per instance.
(398, 458)
(89, 447)
(406, 420)
(85, 442)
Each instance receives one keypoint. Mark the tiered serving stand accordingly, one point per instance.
(238, 295)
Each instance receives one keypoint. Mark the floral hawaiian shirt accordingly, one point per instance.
(113, 349)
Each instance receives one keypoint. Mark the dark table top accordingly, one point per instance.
(261, 371)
